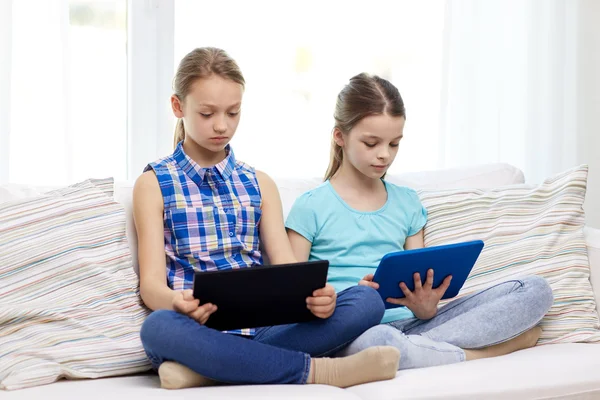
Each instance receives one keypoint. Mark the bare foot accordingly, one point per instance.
(523, 341)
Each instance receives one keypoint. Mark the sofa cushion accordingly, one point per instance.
(592, 238)
(481, 176)
(69, 303)
(565, 371)
(526, 230)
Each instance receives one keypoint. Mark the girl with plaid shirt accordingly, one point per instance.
(200, 209)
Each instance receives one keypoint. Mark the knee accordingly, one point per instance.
(379, 335)
(385, 335)
(156, 326)
(369, 304)
(541, 293)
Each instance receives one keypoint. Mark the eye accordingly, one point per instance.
(233, 114)
(206, 115)
(369, 144)
(394, 144)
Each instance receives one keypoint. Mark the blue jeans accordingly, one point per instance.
(491, 316)
(277, 354)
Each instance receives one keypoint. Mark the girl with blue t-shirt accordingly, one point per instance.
(201, 209)
(355, 217)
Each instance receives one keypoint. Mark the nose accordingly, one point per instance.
(220, 125)
(383, 153)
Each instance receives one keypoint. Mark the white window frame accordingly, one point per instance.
(150, 52)
(5, 73)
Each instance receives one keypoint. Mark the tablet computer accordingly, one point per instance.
(260, 296)
(453, 259)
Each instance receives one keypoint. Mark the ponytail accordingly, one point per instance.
(179, 132)
(335, 160)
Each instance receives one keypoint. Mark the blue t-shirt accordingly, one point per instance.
(353, 241)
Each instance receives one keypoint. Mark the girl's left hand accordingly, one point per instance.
(322, 302)
(424, 299)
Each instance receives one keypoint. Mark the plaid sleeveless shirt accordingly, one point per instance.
(211, 216)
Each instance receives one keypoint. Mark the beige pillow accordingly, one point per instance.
(69, 301)
(526, 230)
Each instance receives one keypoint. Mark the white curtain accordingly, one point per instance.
(63, 97)
(518, 79)
(489, 81)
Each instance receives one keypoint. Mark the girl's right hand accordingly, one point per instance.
(185, 303)
(368, 281)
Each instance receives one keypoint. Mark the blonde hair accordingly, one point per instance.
(197, 64)
(364, 95)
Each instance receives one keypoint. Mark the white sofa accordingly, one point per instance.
(564, 371)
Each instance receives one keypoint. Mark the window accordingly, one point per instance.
(68, 91)
(297, 56)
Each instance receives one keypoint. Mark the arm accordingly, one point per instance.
(272, 230)
(148, 217)
(300, 245)
(278, 247)
(415, 241)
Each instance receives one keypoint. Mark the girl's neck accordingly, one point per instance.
(350, 177)
(202, 156)
(360, 193)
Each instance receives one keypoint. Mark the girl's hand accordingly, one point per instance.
(424, 299)
(368, 281)
(322, 304)
(185, 303)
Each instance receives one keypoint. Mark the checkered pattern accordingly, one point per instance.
(211, 216)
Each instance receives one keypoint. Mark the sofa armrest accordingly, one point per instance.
(592, 238)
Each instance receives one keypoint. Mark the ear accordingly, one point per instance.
(177, 106)
(338, 137)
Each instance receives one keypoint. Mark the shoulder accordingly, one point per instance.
(402, 192)
(314, 196)
(163, 162)
(265, 182)
(241, 166)
(147, 189)
(313, 201)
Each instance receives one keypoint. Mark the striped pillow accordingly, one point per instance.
(69, 303)
(526, 230)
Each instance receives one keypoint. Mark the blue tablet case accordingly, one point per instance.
(453, 259)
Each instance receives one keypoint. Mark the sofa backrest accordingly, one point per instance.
(483, 176)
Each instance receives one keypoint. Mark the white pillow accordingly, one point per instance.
(69, 301)
(526, 230)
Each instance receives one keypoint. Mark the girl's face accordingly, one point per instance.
(210, 111)
(371, 146)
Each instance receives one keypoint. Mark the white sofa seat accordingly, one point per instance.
(148, 387)
(542, 372)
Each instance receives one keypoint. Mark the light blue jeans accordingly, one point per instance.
(491, 316)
